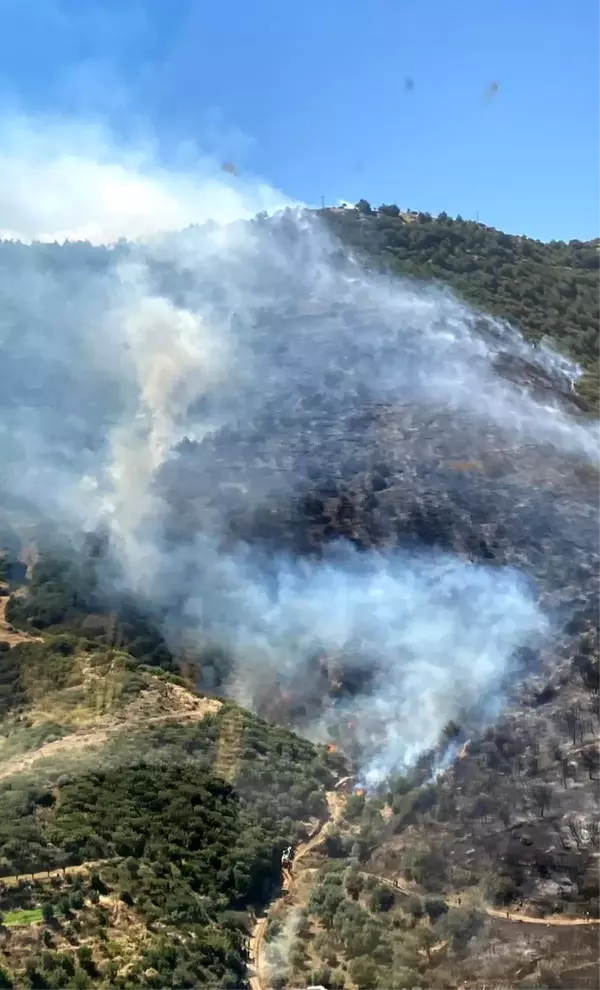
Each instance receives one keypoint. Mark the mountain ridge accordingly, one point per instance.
(515, 277)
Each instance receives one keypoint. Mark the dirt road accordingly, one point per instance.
(255, 954)
(336, 801)
(259, 980)
(67, 871)
(528, 919)
(398, 885)
(77, 743)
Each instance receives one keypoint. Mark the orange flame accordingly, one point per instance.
(359, 791)
(331, 748)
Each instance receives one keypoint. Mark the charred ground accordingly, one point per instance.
(503, 815)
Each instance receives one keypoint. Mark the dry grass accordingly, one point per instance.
(126, 937)
(92, 709)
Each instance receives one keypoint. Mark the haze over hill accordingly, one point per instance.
(266, 458)
(187, 393)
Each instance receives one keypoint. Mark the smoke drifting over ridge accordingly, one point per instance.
(190, 392)
(64, 179)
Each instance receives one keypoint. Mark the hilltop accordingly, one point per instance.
(548, 291)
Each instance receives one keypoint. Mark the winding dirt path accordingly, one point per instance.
(557, 920)
(259, 979)
(528, 919)
(560, 921)
(67, 871)
(336, 802)
(398, 885)
(93, 738)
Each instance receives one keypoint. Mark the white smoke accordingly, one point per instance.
(170, 358)
(69, 180)
(115, 356)
(440, 634)
(277, 951)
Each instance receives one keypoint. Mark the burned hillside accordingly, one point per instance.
(410, 475)
(341, 495)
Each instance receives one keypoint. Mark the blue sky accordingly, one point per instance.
(312, 96)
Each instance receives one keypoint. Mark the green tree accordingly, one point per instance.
(382, 898)
(86, 960)
(354, 884)
(363, 972)
(389, 211)
(460, 925)
(435, 908)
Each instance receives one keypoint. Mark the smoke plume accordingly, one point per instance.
(278, 949)
(64, 179)
(214, 395)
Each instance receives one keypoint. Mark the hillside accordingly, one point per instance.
(548, 291)
(296, 554)
(142, 823)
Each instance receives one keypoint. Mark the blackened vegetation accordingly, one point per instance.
(329, 459)
(406, 477)
(516, 811)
